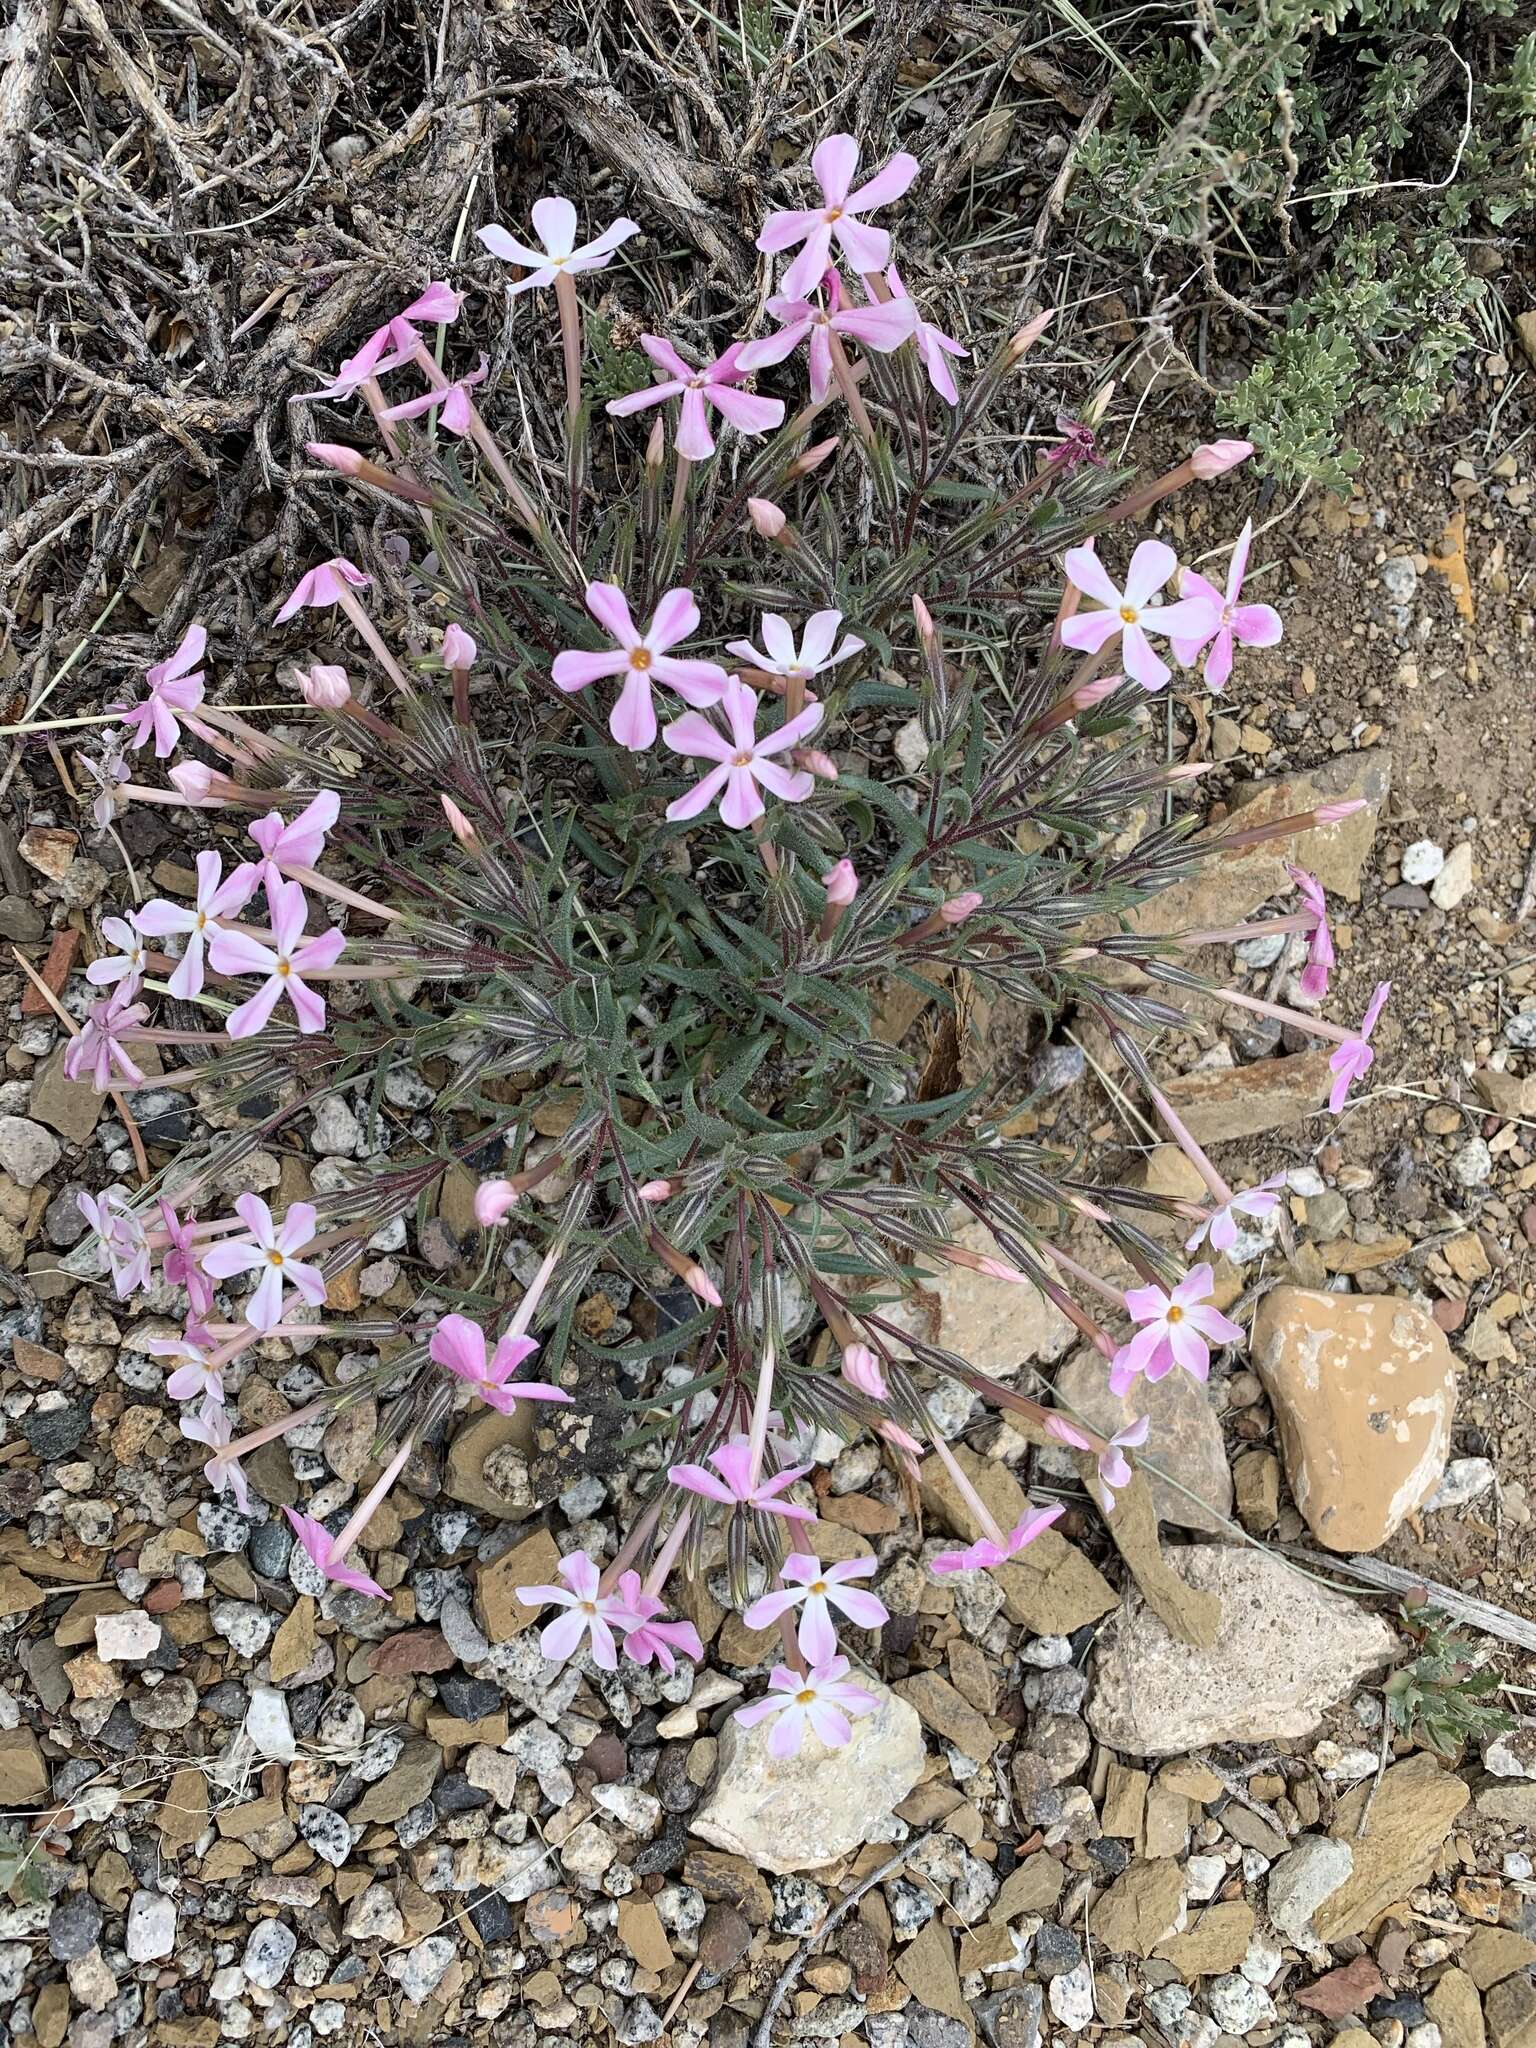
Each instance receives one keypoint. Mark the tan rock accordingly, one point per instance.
(1050, 1588)
(1186, 1440)
(927, 1968)
(1364, 1390)
(642, 1933)
(1510, 2010)
(184, 1812)
(1256, 1483)
(1410, 1817)
(1033, 1887)
(23, 1773)
(464, 1476)
(533, 1562)
(1457, 2011)
(995, 1325)
(1219, 1103)
(1495, 1953)
(1216, 1941)
(1125, 1802)
(940, 1707)
(1140, 1909)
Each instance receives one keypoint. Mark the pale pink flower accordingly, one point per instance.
(324, 685)
(179, 1264)
(493, 1199)
(768, 520)
(1221, 1226)
(554, 222)
(587, 1613)
(646, 1636)
(933, 345)
(125, 963)
(715, 385)
(323, 586)
(209, 1425)
(356, 370)
(835, 164)
(1178, 1327)
(458, 409)
(284, 963)
(814, 654)
(459, 650)
(269, 1251)
(215, 898)
(983, 1554)
(172, 688)
(439, 303)
(1215, 458)
(735, 1487)
(642, 659)
(821, 1700)
(97, 1048)
(861, 1369)
(298, 844)
(882, 326)
(1226, 621)
(1356, 1056)
(121, 1235)
(193, 1378)
(459, 1345)
(1313, 980)
(1130, 612)
(743, 760)
(1114, 1468)
(841, 883)
(319, 1544)
(817, 1589)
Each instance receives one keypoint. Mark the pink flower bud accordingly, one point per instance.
(458, 824)
(656, 447)
(459, 650)
(766, 517)
(493, 1198)
(811, 459)
(841, 883)
(1088, 694)
(861, 1369)
(1215, 458)
(195, 783)
(655, 1190)
(815, 762)
(959, 908)
(323, 685)
(894, 1434)
(924, 618)
(348, 460)
(1341, 808)
(1028, 335)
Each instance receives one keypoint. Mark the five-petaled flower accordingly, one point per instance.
(934, 346)
(715, 385)
(122, 1238)
(1226, 621)
(97, 1048)
(215, 898)
(284, 963)
(178, 1261)
(320, 1547)
(647, 1636)
(458, 408)
(882, 326)
(298, 844)
(193, 1378)
(1114, 1467)
(735, 1486)
(269, 1251)
(209, 1424)
(588, 1613)
(323, 585)
(459, 1345)
(175, 684)
(125, 964)
(986, 1551)
(814, 654)
(816, 1589)
(835, 164)
(1222, 1227)
(743, 761)
(1313, 979)
(822, 1700)
(1130, 612)
(1178, 1326)
(1356, 1056)
(554, 222)
(641, 659)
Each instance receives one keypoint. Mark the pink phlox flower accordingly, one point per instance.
(817, 1590)
(295, 845)
(1214, 458)
(439, 303)
(269, 1251)
(323, 586)
(109, 774)
(356, 370)
(588, 1613)
(284, 963)
(179, 1264)
(1178, 1328)
(641, 659)
(646, 1636)
(173, 686)
(215, 898)
(319, 1544)
(984, 1553)
(121, 1236)
(209, 1425)
(125, 962)
(1225, 621)
(459, 650)
(715, 385)
(933, 346)
(97, 1049)
(1356, 1056)
(554, 222)
(193, 1378)
(882, 326)
(814, 654)
(861, 1369)
(459, 1345)
(458, 411)
(734, 1486)
(822, 1700)
(1221, 1226)
(1130, 612)
(1079, 444)
(1114, 1468)
(743, 761)
(835, 164)
(1313, 980)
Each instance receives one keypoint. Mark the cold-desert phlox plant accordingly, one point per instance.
(610, 875)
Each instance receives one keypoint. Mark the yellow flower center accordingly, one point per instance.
(589, 1607)
(819, 1587)
(274, 1258)
(284, 968)
(202, 919)
(832, 213)
(1175, 1314)
(1128, 613)
(640, 658)
(804, 1697)
(741, 761)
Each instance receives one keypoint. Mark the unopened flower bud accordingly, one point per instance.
(815, 762)
(458, 824)
(1339, 809)
(323, 685)
(1086, 695)
(861, 1369)
(841, 883)
(812, 458)
(493, 1198)
(1215, 458)
(924, 618)
(655, 1190)
(1096, 410)
(1027, 336)
(767, 518)
(349, 461)
(656, 448)
(459, 650)
(959, 908)
(195, 782)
